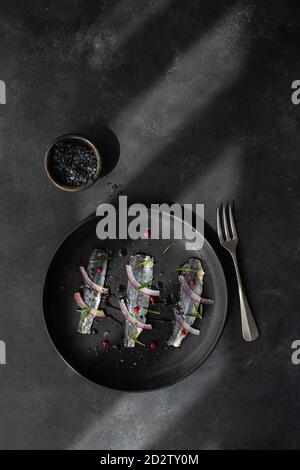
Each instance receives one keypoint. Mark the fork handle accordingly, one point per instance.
(249, 328)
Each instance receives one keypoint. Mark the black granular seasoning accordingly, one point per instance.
(73, 163)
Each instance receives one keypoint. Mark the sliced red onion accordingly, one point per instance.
(134, 321)
(185, 324)
(79, 300)
(89, 282)
(135, 283)
(190, 293)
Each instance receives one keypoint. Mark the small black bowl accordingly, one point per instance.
(52, 166)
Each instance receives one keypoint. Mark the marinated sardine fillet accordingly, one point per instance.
(191, 277)
(137, 301)
(96, 272)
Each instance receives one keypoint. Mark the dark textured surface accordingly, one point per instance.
(198, 95)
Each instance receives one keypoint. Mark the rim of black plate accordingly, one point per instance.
(132, 390)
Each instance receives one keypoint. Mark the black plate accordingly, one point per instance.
(140, 368)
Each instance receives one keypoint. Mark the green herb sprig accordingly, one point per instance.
(198, 271)
(143, 263)
(147, 310)
(84, 312)
(134, 338)
(195, 313)
(142, 286)
(168, 247)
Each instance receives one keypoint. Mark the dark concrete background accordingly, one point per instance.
(196, 98)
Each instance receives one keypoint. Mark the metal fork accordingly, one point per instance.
(229, 240)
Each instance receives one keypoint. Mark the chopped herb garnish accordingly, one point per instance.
(201, 311)
(195, 313)
(84, 312)
(200, 273)
(168, 248)
(134, 338)
(150, 311)
(143, 263)
(80, 309)
(146, 284)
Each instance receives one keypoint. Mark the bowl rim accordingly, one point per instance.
(90, 144)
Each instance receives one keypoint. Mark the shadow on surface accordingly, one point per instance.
(247, 409)
(107, 143)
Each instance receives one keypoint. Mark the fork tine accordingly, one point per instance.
(227, 234)
(232, 223)
(219, 228)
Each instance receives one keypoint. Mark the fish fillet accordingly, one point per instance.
(193, 274)
(96, 271)
(142, 266)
